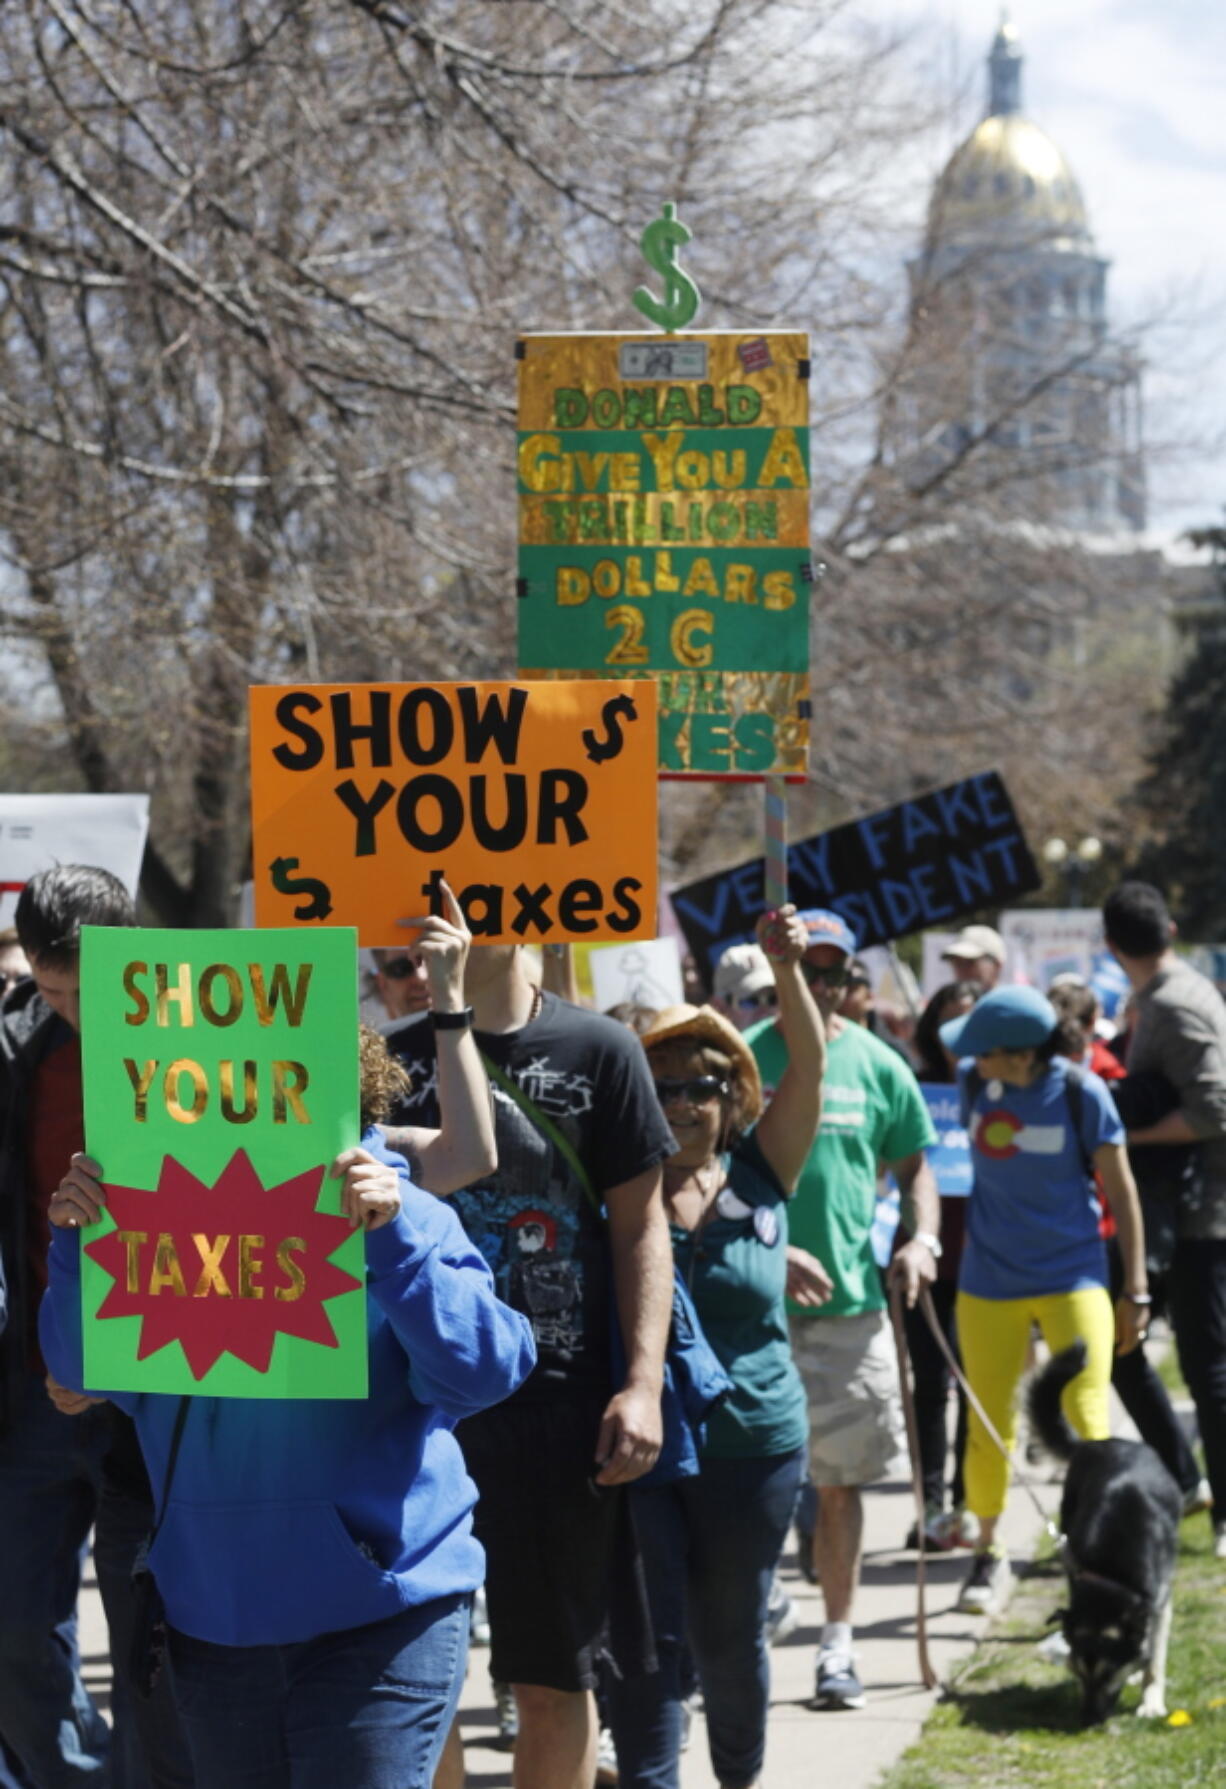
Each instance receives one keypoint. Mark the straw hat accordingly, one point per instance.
(705, 1025)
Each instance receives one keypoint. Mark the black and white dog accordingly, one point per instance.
(1120, 1519)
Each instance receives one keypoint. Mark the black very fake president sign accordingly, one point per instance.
(923, 863)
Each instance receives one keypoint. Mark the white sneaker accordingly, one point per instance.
(837, 1684)
(782, 1615)
(967, 1531)
(986, 1586)
(506, 1711)
(1198, 1498)
(606, 1760)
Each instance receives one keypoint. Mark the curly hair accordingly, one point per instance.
(384, 1081)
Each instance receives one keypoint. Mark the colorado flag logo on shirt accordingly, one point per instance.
(1002, 1134)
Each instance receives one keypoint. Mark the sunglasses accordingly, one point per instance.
(399, 968)
(695, 1092)
(756, 1003)
(825, 975)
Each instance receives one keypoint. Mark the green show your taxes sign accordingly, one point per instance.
(220, 1075)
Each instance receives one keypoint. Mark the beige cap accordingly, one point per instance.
(742, 970)
(977, 941)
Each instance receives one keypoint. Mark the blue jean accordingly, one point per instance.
(710, 1547)
(148, 1749)
(367, 1708)
(50, 1469)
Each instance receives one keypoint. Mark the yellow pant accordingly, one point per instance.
(993, 1336)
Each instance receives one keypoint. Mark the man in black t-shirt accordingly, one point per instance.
(549, 1462)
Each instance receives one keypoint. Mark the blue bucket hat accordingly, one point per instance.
(825, 927)
(1006, 1019)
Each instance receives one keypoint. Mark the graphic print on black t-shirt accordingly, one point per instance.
(546, 1245)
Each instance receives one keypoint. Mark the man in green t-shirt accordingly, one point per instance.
(873, 1113)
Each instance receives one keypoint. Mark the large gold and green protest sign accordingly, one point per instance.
(221, 1081)
(664, 533)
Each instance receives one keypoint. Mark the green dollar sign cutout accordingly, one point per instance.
(659, 243)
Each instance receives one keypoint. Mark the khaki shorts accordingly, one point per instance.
(857, 1433)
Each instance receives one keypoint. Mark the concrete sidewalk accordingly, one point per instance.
(852, 1749)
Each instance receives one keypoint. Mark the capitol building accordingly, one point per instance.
(1014, 370)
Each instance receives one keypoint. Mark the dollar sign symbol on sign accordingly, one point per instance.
(610, 746)
(317, 904)
(659, 243)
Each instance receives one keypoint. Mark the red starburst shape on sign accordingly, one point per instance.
(222, 1269)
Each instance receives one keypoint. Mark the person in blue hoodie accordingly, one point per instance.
(316, 1559)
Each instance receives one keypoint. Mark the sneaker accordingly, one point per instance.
(1219, 1540)
(508, 1717)
(987, 1584)
(837, 1683)
(966, 1528)
(606, 1760)
(938, 1532)
(689, 1708)
(1198, 1498)
(479, 1626)
(782, 1615)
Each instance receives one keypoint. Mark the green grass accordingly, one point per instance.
(1012, 1719)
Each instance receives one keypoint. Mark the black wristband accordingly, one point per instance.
(461, 1021)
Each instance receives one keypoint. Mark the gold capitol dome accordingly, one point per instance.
(1008, 179)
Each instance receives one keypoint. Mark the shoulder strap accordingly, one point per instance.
(175, 1439)
(1074, 1094)
(972, 1086)
(546, 1126)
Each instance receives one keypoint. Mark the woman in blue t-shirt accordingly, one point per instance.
(1040, 1129)
(711, 1543)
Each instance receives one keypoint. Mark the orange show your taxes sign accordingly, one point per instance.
(536, 802)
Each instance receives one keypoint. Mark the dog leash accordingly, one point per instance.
(942, 1341)
(928, 1673)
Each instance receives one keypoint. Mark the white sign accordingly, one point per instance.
(39, 831)
(643, 974)
(1044, 942)
(935, 971)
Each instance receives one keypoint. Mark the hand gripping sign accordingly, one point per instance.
(221, 1081)
(536, 802)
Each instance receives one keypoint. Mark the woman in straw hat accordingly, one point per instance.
(711, 1543)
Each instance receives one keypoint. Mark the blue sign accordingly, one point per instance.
(950, 1156)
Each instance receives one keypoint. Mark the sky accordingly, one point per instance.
(1132, 92)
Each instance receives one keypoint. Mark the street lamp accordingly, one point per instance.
(1075, 862)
